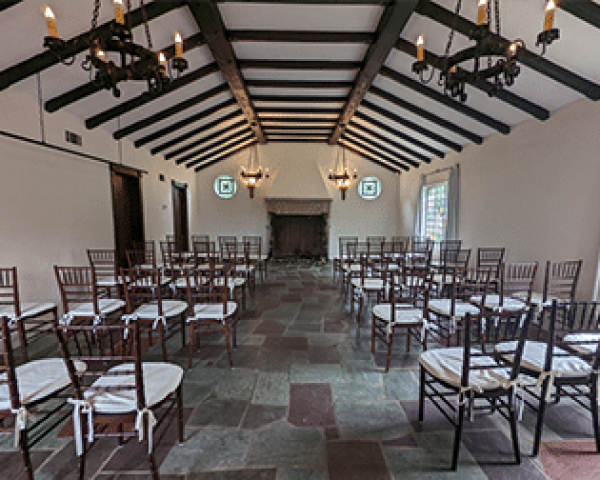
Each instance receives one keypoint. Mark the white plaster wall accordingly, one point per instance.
(534, 191)
(242, 216)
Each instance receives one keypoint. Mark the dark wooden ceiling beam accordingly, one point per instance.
(412, 125)
(196, 131)
(298, 140)
(186, 122)
(530, 59)
(204, 140)
(395, 160)
(298, 99)
(398, 146)
(8, 3)
(294, 111)
(312, 2)
(504, 95)
(302, 36)
(46, 59)
(293, 128)
(225, 155)
(298, 83)
(234, 136)
(356, 149)
(298, 120)
(390, 26)
(92, 87)
(452, 127)
(147, 97)
(445, 100)
(299, 65)
(398, 134)
(585, 10)
(395, 154)
(207, 17)
(202, 158)
(168, 112)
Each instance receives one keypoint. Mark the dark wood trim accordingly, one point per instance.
(298, 99)
(207, 138)
(390, 26)
(301, 36)
(397, 133)
(298, 120)
(299, 65)
(394, 160)
(444, 100)
(297, 127)
(585, 10)
(298, 135)
(225, 155)
(181, 220)
(505, 95)
(124, 170)
(412, 125)
(313, 2)
(92, 87)
(46, 59)
(8, 3)
(298, 83)
(401, 148)
(452, 127)
(539, 64)
(356, 149)
(202, 158)
(293, 111)
(207, 17)
(168, 112)
(186, 122)
(216, 143)
(298, 140)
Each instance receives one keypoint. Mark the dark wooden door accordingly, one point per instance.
(298, 235)
(180, 215)
(127, 210)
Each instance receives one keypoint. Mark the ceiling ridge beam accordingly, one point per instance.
(587, 11)
(526, 57)
(403, 148)
(299, 65)
(185, 122)
(413, 126)
(195, 131)
(207, 17)
(502, 94)
(407, 138)
(297, 127)
(399, 102)
(297, 140)
(298, 83)
(235, 135)
(207, 138)
(168, 112)
(299, 36)
(393, 159)
(291, 111)
(46, 59)
(225, 155)
(298, 120)
(298, 99)
(318, 2)
(355, 149)
(196, 161)
(92, 87)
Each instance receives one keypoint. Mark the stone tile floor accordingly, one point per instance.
(308, 400)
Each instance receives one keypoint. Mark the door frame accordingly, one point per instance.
(181, 229)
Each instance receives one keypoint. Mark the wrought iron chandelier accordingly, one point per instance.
(136, 61)
(253, 173)
(341, 176)
(502, 67)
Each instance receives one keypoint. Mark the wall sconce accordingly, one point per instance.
(342, 178)
(253, 173)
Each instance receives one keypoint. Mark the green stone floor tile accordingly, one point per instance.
(372, 421)
(238, 385)
(350, 393)
(272, 388)
(401, 385)
(315, 373)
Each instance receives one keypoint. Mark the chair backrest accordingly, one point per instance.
(200, 238)
(252, 239)
(141, 258)
(344, 241)
(8, 377)
(422, 246)
(204, 252)
(144, 287)
(207, 287)
(449, 249)
(77, 285)
(468, 283)
(170, 237)
(226, 239)
(517, 278)
(354, 250)
(414, 285)
(375, 239)
(401, 242)
(561, 279)
(9, 290)
(104, 263)
(491, 257)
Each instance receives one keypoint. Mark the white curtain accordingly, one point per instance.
(453, 203)
(419, 209)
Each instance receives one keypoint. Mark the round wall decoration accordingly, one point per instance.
(369, 188)
(225, 186)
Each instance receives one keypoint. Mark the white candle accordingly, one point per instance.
(178, 45)
(420, 49)
(482, 12)
(51, 22)
(549, 18)
(119, 13)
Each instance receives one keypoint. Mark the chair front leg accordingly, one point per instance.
(512, 416)
(458, 436)
(594, 408)
(421, 393)
(537, 439)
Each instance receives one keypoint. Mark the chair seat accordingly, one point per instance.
(37, 380)
(181, 282)
(160, 380)
(443, 306)
(109, 281)
(446, 364)
(106, 306)
(405, 314)
(28, 310)
(534, 358)
(370, 284)
(585, 348)
(510, 304)
(355, 267)
(164, 281)
(213, 311)
(245, 268)
(207, 266)
(232, 282)
(537, 298)
(171, 308)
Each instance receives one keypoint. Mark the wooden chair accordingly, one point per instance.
(256, 253)
(31, 319)
(143, 255)
(421, 252)
(402, 240)
(492, 258)
(367, 284)
(30, 390)
(200, 238)
(210, 309)
(339, 260)
(448, 249)
(516, 287)
(106, 270)
(471, 373)
(560, 283)
(120, 396)
(451, 261)
(224, 239)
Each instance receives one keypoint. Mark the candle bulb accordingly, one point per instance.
(549, 18)
(178, 45)
(162, 59)
(482, 12)
(51, 22)
(420, 49)
(119, 13)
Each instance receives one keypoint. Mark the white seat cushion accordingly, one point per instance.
(181, 282)
(37, 380)
(109, 281)
(213, 311)
(442, 306)
(369, 284)
(171, 308)
(492, 302)
(105, 305)
(160, 379)
(405, 314)
(28, 310)
(232, 282)
(591, 340)
(534, 358)
(446, 364)
(354, 267)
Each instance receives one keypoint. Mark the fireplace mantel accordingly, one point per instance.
(298, 206)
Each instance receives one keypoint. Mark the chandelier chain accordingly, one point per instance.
(146, 26)
(129, 24)
(450, 40)
(95, 15)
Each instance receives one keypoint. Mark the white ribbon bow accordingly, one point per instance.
(66, 319)
(82, 406)
(12, 320)
(461, 401)
(139, 426)
(424, 329)
(452, 324)
(161, 319)
(128, 319)
(540, 382)
(20, 422)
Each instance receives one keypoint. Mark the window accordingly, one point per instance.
(434, 211)
(225, 186)
(369, 188)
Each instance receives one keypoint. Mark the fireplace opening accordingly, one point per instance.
(299, 236)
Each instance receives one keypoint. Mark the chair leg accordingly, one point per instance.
(421, 393)
(82, 462)
(361, 304)
(228, 341)
(24, 448)
(163, 341)
(512, 416)
(594, 408)
(389, 353)
(537, 438)
(458, 436)
(23, 339)
(373, 334)
(153, 467)
(180, 414)
(182, 323)
(192, 344)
